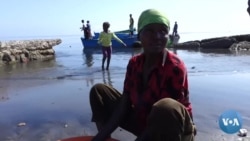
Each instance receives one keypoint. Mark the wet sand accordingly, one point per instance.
(59, 108)
(52, 97)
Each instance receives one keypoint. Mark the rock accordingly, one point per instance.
(66, 125)
(230, 42)
(24, 51)
(244, 45)
(188, 45)
(222, 43)
(21, 124)
(240, 38)
(242, 133)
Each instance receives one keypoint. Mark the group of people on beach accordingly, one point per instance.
(106, 36)
(105, 39)
(154, 104)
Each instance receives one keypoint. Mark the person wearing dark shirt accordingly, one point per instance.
(175, 33)
(154, 105)
(131, 24)
(83, 28)
(88, 30)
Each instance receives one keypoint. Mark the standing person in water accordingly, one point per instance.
(88, 30)
(83, 28)
(175, 32)
(105, 40)
(131, 24)
(154, 104)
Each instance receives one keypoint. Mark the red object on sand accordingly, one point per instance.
(84, 138)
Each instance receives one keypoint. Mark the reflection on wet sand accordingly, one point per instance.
(48, 96)
(4, 91)
(225, 52)
(215, 51)
(88, 57)
(26, 69)
(88, 53)
(240, 52)
(90, 82)
(107, 78)
(14, 75)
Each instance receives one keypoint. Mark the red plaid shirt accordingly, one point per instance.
(165, 80)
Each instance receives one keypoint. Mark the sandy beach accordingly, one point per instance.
(54, 109)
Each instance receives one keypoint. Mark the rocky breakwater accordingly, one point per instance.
(24, 51)
(236, 42)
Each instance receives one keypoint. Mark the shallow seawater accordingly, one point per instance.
(51, 97)
(71, 61)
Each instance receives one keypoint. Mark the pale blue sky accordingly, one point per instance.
(63, 17)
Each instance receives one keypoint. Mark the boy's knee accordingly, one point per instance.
(166, 112)
(168, 104)
(167, 108)
(170, 116)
